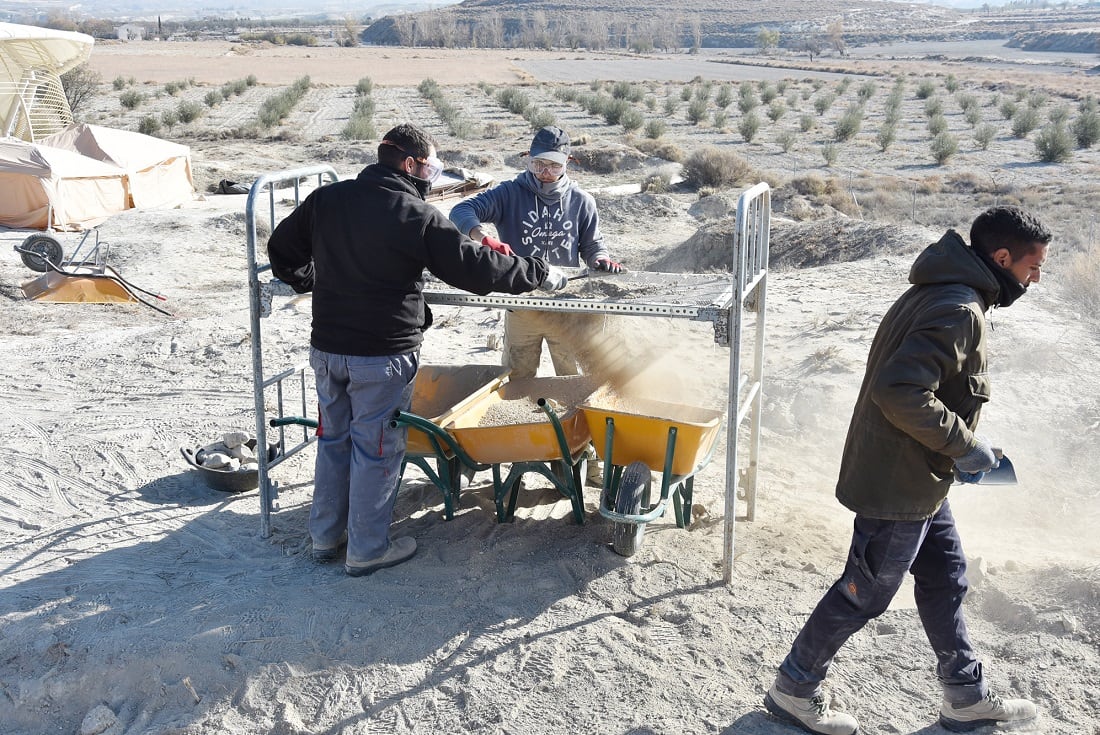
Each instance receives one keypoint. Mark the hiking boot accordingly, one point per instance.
(323, 554)
(812, 715)
(400, 550)
(989, 711)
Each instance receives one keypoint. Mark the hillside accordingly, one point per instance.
(667, 24)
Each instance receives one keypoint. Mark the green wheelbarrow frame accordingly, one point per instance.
(634, 481)
(566, 473)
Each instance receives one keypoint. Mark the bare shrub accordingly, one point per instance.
(983, 136)
(1054, 143)
(1086, 128)
(131, 98)
(716, 167)
(848, 124)
(749, 126)
(724, 97)
(937, 124)
(944, 146)
(148, 125)
(697, 111)
(658, 182)
(885, 136)
(808, 185)
(631, 119)
(1024, 121)
(660, 149)
(189, 111)
(824, 102)
(654, 128)
(80, 85)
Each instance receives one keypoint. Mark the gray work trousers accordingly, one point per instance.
(359, 454)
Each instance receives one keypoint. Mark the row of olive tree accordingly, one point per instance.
(539, 29)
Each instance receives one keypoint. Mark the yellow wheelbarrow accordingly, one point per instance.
(637, 437)
(548, 436)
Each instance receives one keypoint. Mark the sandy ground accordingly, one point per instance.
(136, 599)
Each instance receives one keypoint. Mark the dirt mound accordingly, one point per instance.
(796, 244)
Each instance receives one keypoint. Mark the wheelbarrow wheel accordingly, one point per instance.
(626, 538)
(38, 251)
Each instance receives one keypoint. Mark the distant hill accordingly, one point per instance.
(674, 24)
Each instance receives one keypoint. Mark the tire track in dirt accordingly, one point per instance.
(322, 114)
(395, 105)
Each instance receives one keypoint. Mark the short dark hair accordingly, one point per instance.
(1010, 227)
(403, 141)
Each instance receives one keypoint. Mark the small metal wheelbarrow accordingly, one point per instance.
(644, 437)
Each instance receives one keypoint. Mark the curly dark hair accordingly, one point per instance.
(403, 141)
(1009, 227)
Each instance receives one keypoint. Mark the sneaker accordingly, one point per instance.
(812, 715)
(326, 554)
(401, 549)
(989, 711)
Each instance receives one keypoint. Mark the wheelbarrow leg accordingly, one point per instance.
(499, 491)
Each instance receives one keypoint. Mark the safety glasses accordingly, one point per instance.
(540, 166)
(433, 166)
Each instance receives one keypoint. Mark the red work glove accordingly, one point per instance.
(609, 265)
(494, 244)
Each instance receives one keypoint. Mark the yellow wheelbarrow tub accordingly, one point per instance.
(441, 391)
(641, 432)
(533, 441)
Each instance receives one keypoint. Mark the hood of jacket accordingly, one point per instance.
(951, 260)
(551, 192)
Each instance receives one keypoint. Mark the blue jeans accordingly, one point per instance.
(880, 555)
(358, 454)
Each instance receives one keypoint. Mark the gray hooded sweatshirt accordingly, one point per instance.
(557, 221)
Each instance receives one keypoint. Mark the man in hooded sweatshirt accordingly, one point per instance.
(911, 436)
(542, 212)
(361, 247)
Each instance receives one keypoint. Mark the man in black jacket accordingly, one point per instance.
(361, 246)
(912, 434)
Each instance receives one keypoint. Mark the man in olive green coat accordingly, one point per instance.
(912, 435)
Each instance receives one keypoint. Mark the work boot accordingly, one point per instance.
(400, 549)
(989, 711)
(325, 553)
(812, 715)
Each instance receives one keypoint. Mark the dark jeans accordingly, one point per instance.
(880, 555)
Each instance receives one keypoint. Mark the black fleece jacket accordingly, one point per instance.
(361, 246)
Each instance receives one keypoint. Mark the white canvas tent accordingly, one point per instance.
(55, 174)
(32, 60)
(158, 172)
(43, 187)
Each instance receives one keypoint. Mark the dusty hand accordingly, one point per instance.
(555, 279)
(494, 244)
(608, 265)
(980, 459)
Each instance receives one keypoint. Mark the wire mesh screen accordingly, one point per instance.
(36, 105)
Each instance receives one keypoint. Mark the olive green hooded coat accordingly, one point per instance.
(924, 387)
